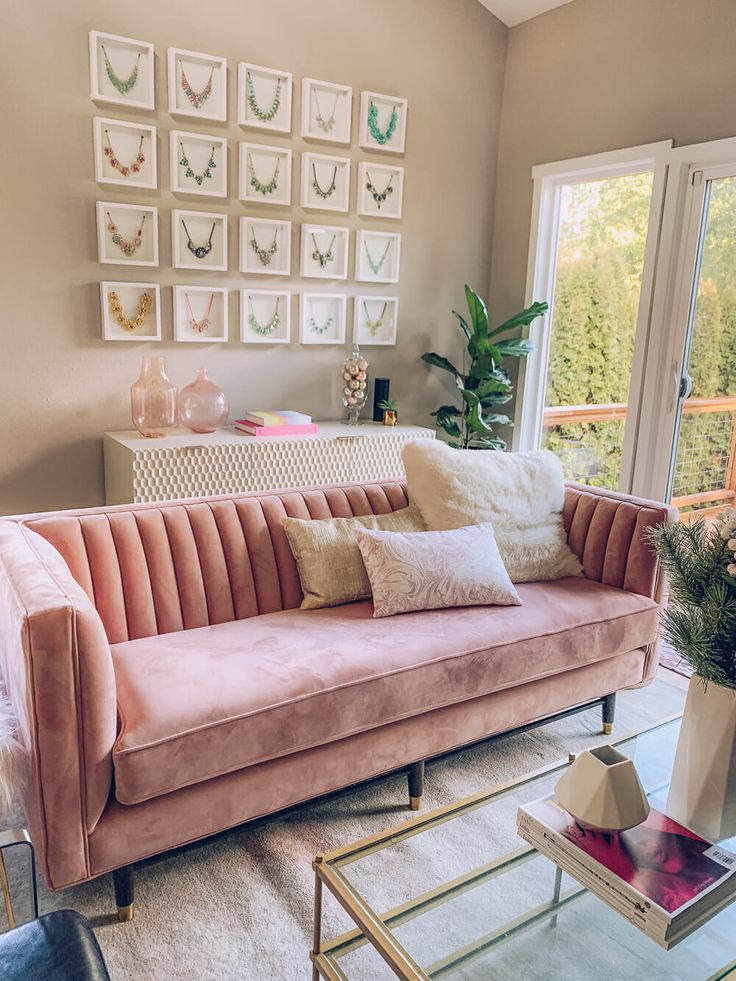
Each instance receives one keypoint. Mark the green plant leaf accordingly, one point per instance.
(497, 417)
(491, 386)
(478, 312)
(463, 324)
(488, 443)
(447, 410)
(437, 361)
(515, 347)
(474, 418)
(521, 319)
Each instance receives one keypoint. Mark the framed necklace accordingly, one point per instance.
(320, 328)
(123, 170)
(325, 123)
(378, 196)
(188, 172)
(265, 115)
(381, 136)
(196, 99)
(258, 185)
(123, 85)
(324, 194)
(323, 257)
(374, 325)
(376, 266)
(264, 255)
(127, 248)
(264, 329)
(129, 323)
(203, 325)
(199, 251)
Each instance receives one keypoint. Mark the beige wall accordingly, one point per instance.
(597, 75)
(62, 386)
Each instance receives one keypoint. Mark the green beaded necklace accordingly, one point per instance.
(379, 135)
(264, 189)
(265, 115)
(376, 266)
(264, 329)
(122, 85)
(207, 172)
(320, 328)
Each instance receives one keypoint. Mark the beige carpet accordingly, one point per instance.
(240, 906)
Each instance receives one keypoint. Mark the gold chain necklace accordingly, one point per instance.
(128, 323)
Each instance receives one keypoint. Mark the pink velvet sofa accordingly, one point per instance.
(168, 686)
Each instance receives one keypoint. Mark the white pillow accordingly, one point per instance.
(521, 494)
(431, 570)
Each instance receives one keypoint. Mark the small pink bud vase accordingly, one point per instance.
(203, 406)
(153, 399)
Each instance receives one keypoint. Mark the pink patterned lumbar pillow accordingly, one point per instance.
(429, 570)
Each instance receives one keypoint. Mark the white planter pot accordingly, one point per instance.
(702, 793)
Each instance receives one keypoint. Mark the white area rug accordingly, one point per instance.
(240, 906)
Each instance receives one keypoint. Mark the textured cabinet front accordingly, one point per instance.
(140, 470)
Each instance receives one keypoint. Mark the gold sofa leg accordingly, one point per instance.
(609, 711)
(416, 785)
(124, 882)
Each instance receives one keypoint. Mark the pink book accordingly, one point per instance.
(246, 427)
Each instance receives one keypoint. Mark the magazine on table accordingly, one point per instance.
(660, 875)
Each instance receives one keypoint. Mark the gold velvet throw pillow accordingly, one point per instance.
(327, 556)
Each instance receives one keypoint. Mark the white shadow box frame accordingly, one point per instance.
(380, 121)
(258, 308)
(129, 296)
(380, 190)
(200, 151)
(207, 303)
(269, 235)
(327, 111)
(128, 220)
(202, 229)
(199, 70)
(266, 83)
(325, 182)
(123, 54)
(264, 164)
(331, 243)
(124, 143)
(372, 309)
(377, 256)
(322, 318)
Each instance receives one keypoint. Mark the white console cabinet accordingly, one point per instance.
(228, 462)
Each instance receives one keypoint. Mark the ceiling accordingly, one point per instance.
(513, 12)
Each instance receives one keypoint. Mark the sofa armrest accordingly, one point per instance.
(57, 668)
(606, 530)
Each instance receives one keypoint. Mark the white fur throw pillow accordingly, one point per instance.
(521, 494)
(431, 570)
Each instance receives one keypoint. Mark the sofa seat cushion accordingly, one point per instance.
(198, 703)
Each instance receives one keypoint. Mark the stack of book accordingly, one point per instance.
(660, 876)
(280, 422)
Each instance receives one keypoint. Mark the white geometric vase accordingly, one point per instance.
(702, 793)
(602, 789)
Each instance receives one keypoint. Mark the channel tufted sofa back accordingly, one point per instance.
(157, 568)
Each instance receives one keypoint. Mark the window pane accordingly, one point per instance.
(600, 256)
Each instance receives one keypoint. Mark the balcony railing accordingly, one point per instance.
(708, 501)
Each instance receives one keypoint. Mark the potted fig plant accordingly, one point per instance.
(700, 624)
(390, 411)
(484, 384)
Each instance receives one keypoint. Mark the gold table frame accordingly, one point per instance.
(376, 929)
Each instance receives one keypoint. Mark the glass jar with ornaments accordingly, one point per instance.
(203, 406)
(354, 384)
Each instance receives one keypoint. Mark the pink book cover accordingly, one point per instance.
(252, 430)
(665, 862)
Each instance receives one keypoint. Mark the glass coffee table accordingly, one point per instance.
(456, 893)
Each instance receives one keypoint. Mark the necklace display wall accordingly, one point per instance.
(322, 318)
(382, 122)
(265, 316)
(198, 164)
(265, 246)
(264, 98)
(119, 147)
(121, 70)
(325, 182)
(375, 319)
(324, 251)
(127, 234)
(264, 174)
(200, 314)
(327, 111)
(199, 240)
(129, 297)
(197, 84)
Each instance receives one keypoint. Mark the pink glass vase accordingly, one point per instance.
(153, 399)
(203, 406)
